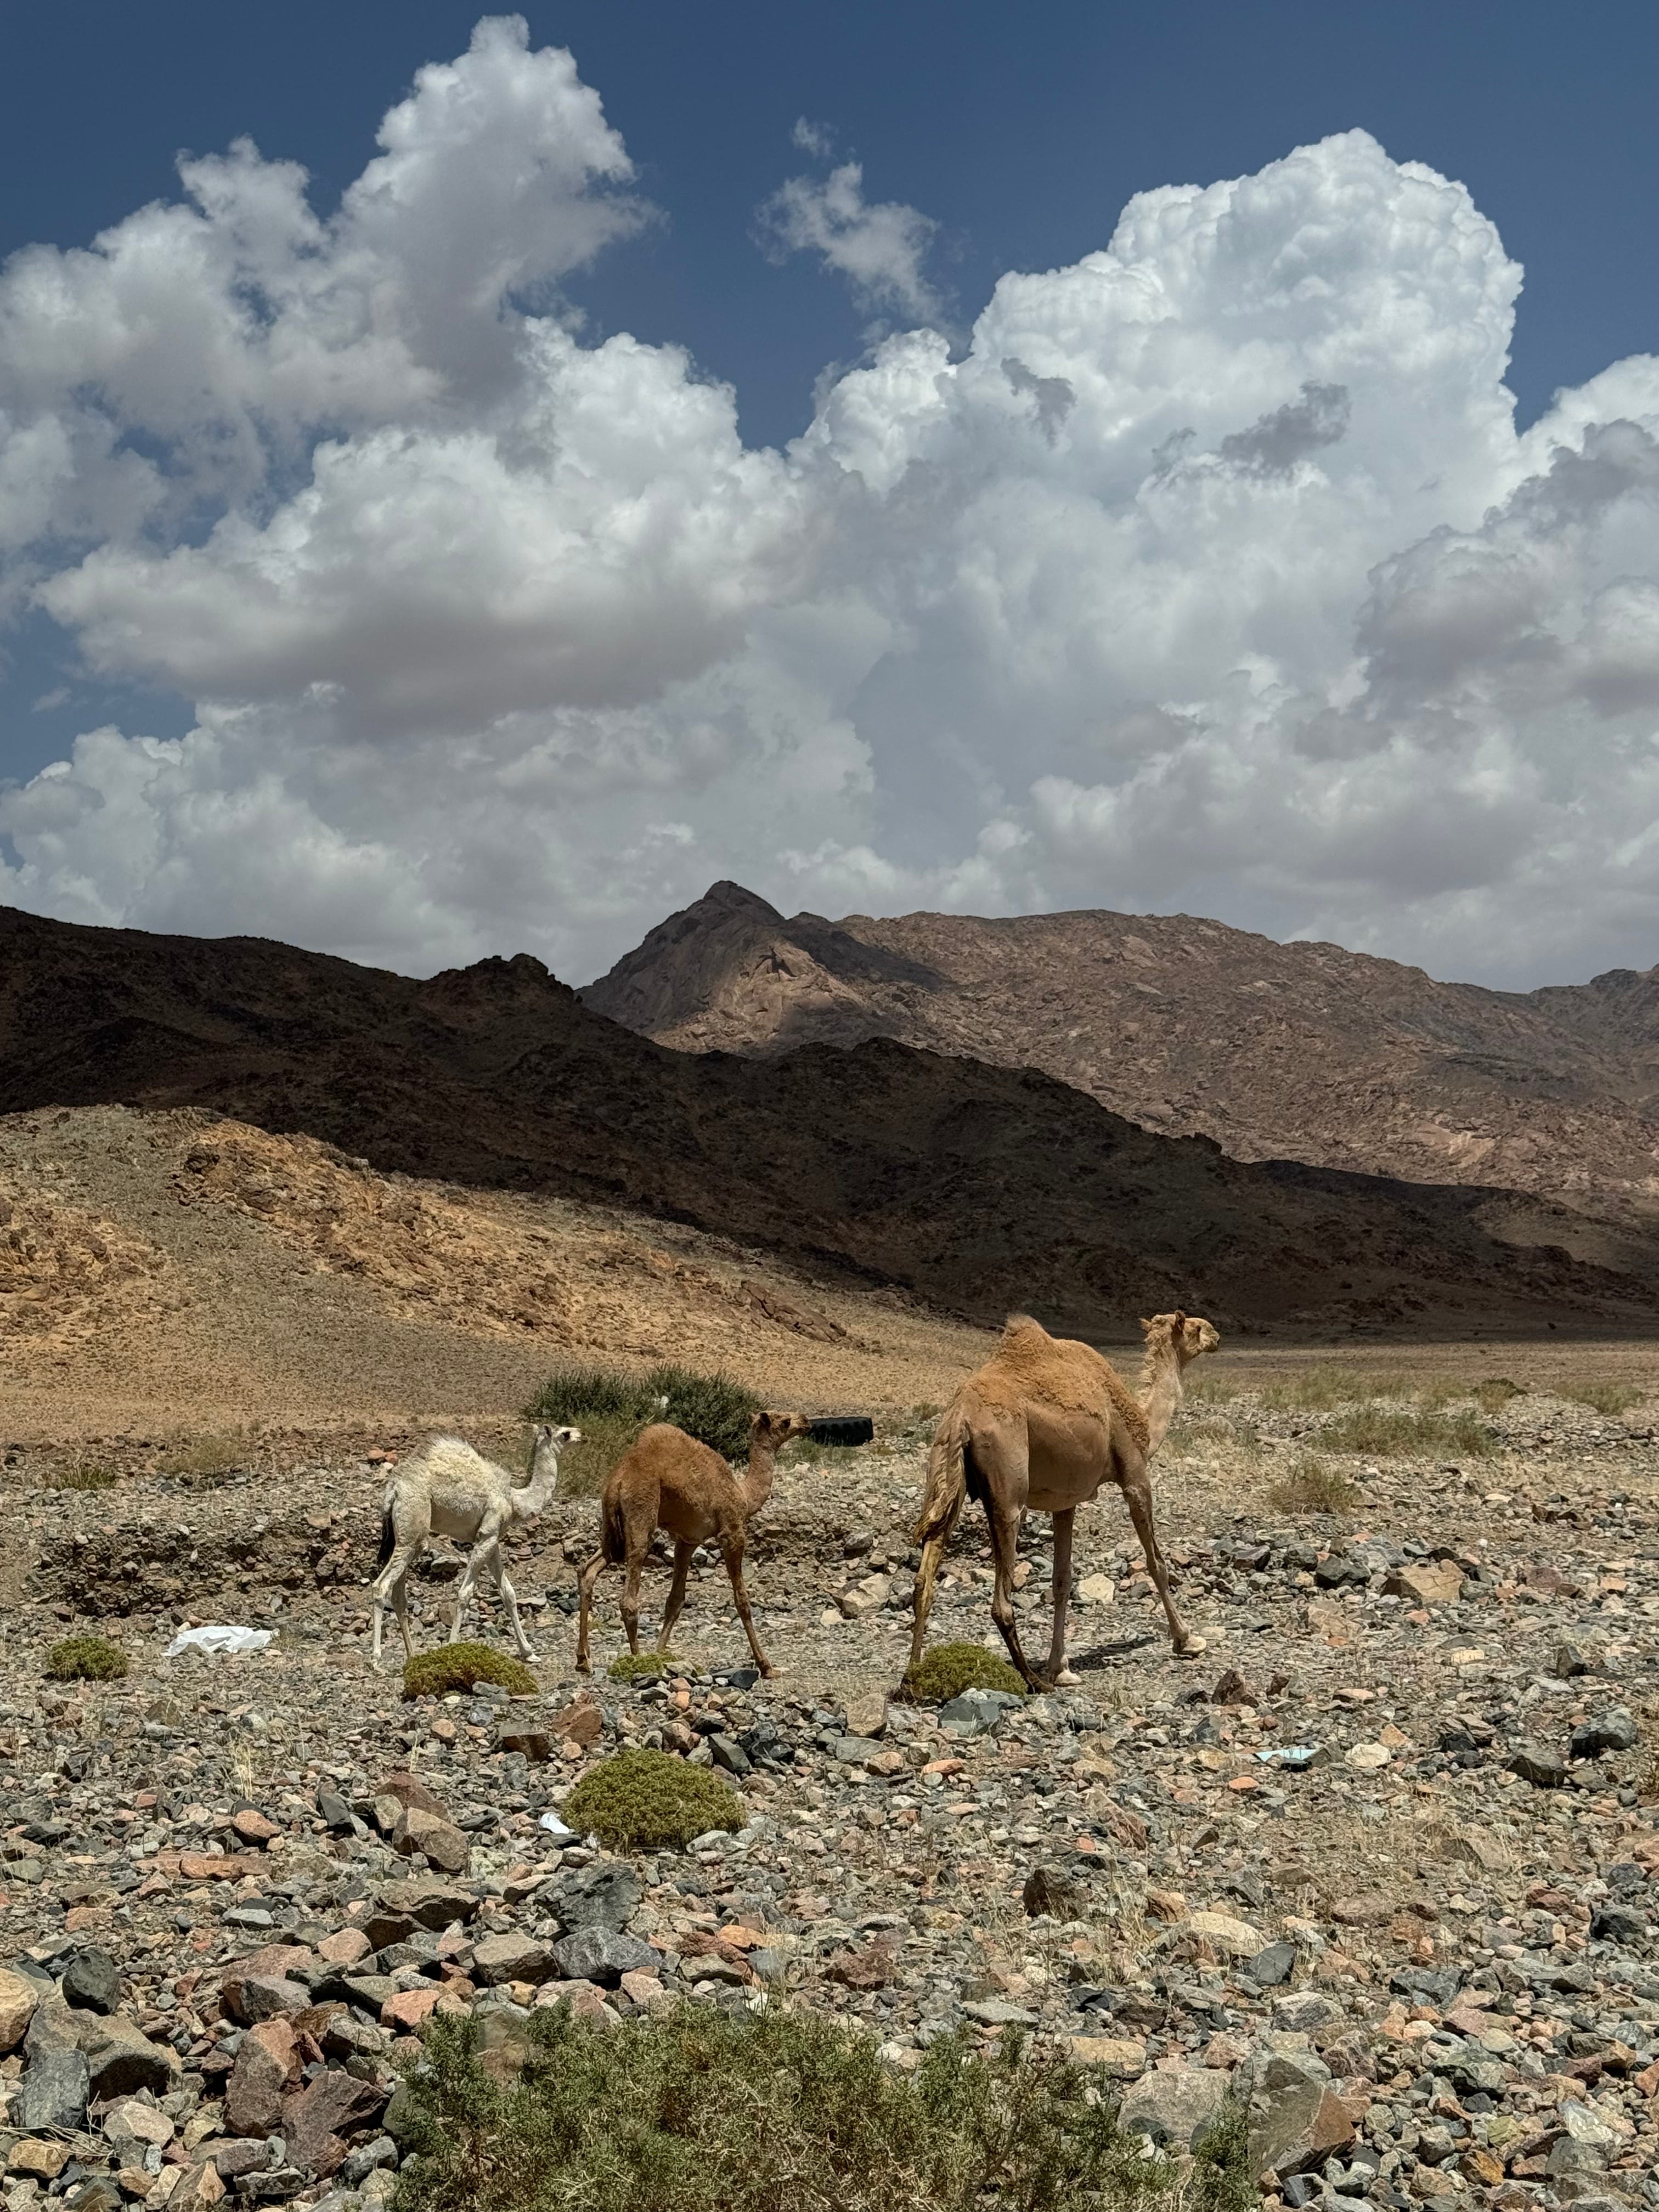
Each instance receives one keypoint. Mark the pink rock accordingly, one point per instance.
(345, 1948)
(253, 1827)
(641, 1988)
(267, 2061)
(409, 2008)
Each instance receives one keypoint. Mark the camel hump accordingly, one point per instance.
(1028, 1365)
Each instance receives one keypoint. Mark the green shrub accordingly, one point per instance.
(949, 1669)
(452, 1667)
(649, 1801)
(711, 1408)
(86, 1659)
(1313, 1486)
(88, 1475)
(643, 1666)
(704, 2112)
(1384, 1429)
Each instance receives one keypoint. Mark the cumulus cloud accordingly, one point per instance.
(1210, 574)
(879, 249)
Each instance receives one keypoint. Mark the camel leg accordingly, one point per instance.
(510, 1599)
(1063, 1525)
(630, 1604)
(585, 1582)
(734, 1568)
(391, 1588)
(671, 1611)
(1138, 1496)
(487, 1541)
(1004, 1520)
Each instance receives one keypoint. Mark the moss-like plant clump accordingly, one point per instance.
(704, 2112)
(86, 1659)
(949, 1669)
(711, 1408)
(643, 1666)
(649, 1801)
(461, 1666)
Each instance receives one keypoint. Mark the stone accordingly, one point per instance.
(133, 2121)
(975, 1710)
(1368, 1758)
(1122, 2057)
(99, 2194)
(641, 1989)
(44, 2160)
(53, 2090)
(581, 1724)
(602, 1955)
(282, 1962)
(412, 1793)
(231, 2161)
(447, 1847)
(598, 1897)
(1050, 1889)
(121, 2058)
(1274, 1964)
(1426, 1583)
(18, 1999)
(267, 2061)
(1615, 1730)
(198, 2190)
(1237, 1938)
(1097, 1589)
(317, 2119)
(264, 1997)
(344, 1947)
(1367, 1909)
(1537, 1764)
(1306, 2122)
(535, 1744)
(866, 1713)
(996, 2012)
(335, 1813)
(426, 1901)
(1174, 2106)
(1299, 2012)
(501, 1958)
(1233, 1690)
(92, 1980)
(1619, 1923)
(253, 1827)
(729, 1753)
(405, 2010)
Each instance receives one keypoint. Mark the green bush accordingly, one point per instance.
(86, 1659)
(1313, 1486)
(453, 1667)
(711, 1408)
(1388, 1429)
(88, 1475)
(705, 2112)
(949, 1669)
(649, 1801)
(643, 1666)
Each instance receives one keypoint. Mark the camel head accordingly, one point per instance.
(1184, 1334)
(546, 1442)
(776, 1430)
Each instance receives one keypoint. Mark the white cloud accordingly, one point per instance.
(879, 250)
(1211, 574)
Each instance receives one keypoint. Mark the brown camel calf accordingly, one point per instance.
(669, 1481)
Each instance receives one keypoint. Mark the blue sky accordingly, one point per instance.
(1020, 134)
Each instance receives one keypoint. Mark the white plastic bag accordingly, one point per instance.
(219, 1637)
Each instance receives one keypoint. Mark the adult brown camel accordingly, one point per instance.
(1042, 1425)
(667, 1480)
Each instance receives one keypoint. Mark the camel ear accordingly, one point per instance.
(1146, 1326)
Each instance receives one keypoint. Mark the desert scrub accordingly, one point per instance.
(949, 1669)
(713, 1408)
(643, 1666)
(453, 1667)
(649, 1801)
(1397, 1429)
(705, 2112)
(88, 1475)
(86, 1659)
(1602, 1397)
(210, 1454)
(1313, 1485)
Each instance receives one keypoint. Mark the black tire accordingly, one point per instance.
(842, 1429)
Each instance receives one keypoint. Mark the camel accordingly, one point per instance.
(448, 1489)
(1042, 1425)
(667, 1480)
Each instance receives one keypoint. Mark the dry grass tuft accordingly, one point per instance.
(1313, 1486)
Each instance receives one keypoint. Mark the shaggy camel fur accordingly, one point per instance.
(1042, 1425)
(446, 1489)
(669, 1481)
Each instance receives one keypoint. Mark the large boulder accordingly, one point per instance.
(600, 1954)
(1174, 2106)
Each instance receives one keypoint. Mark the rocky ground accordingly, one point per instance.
(1384, 1859)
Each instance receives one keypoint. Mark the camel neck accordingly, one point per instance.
(757, 1481)
(532, 1495)
(1160, 1398)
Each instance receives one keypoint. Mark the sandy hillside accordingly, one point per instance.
(174, 1272)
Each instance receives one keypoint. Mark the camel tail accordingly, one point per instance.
(947, 1478)
(388, 1537)
(613, 1533)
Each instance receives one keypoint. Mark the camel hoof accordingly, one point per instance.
(1066, 1679)
(1192, 1647)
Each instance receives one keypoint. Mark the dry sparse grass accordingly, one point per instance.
(1313, 1486)
(1610, 1398)
(1378, 1430)
(86, 1474)
(223, 1453)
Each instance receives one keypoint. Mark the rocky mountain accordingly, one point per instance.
(977, 1187)
(1296, 1051)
